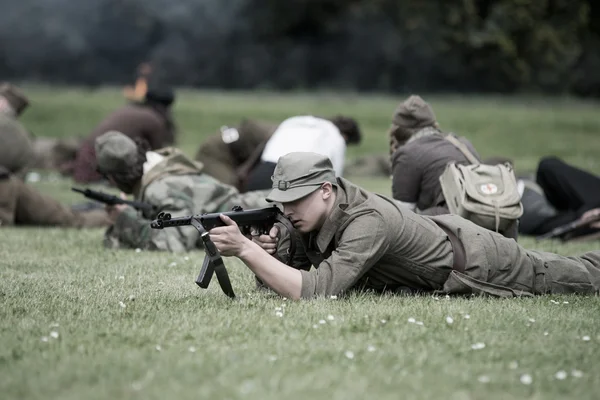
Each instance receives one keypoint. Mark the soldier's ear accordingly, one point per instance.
(326, 190)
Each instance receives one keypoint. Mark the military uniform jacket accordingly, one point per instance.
(370, 242)
(175, 185)
(416, 170)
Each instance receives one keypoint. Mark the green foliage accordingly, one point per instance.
(474, 45)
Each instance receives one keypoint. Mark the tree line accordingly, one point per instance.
(505, 46)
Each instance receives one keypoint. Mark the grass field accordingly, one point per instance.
(77, 321)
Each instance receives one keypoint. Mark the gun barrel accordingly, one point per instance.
(112, 199)
(161, 223)
(561, 230)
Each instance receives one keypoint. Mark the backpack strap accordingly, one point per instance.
(463, 149)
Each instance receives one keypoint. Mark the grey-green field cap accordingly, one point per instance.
(115, 152)
(299, 174)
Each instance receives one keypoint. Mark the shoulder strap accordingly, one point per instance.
(463, 149)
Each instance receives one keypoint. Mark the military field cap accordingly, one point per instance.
(115, 152)
(299, 174)
(15, 97)
(413, 113)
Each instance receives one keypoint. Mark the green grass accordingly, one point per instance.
(111, 309)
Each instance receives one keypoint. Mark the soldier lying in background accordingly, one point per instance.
(167, 180)
(229, 155)
(327, 136)
(150, 119)
(54, 154)
(419, 155)
(21, 204)
(560, 195)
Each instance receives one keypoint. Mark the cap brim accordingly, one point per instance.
(289, 195)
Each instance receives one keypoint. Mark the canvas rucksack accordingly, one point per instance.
(484, 194)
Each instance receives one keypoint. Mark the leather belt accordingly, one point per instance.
(458, 250)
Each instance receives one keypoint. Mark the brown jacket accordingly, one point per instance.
(134, 120)
(417, 167)
(370, 242)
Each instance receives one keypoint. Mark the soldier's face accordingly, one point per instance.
(309, 213)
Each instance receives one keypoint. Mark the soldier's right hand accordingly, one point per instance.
(268, 242)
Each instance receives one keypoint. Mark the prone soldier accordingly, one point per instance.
(355, 239)
(21, 204)
(168, 181)
(231, 154)
(149, 119)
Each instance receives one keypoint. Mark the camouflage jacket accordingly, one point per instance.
(175, 184)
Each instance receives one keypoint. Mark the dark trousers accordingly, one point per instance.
(260, 177)
(570, 190)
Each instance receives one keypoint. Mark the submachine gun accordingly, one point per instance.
(261, 219)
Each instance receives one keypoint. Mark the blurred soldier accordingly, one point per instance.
(140, 88)
(370, 165)
(305, 133)
(560, 194)
(150, 120)
(419, 156)
(169, 181)
(16, 151)
(231, 154)
(54, 153)
(21, 204)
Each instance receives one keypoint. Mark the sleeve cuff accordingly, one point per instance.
(309, 284)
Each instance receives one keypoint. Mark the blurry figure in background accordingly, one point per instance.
(560, 194)
(328, 137)
(231, 154)
(150, 119)
(21, 204)
(169, 181)
(54, 153)
(419, 153)
(139, 90)
(370, 165)
(16, 152)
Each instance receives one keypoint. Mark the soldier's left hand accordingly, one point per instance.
(228, 239)
(114, 211)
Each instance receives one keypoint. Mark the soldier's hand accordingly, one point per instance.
(268, 242)
(114, 211)
(228, 239)
(592, 215)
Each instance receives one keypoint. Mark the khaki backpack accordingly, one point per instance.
(484, 194)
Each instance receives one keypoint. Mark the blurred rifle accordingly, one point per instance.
(111, 200)
(261, 219)
(566, 232)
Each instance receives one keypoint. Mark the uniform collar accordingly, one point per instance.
(336, 218)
